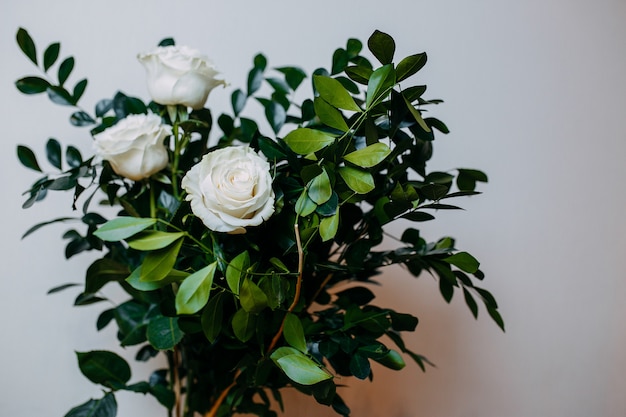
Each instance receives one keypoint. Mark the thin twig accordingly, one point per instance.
(176, 376)
(296, 297)
(218, 402)
(321, 287)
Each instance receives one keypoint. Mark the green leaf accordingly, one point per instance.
(105, 318)
(134, 279)
(304, 205)
(103, 106)
(53, 152)
(50, 55)
(437, 124)
(319, 188)
(359, 74)
(329, 226)
(416, 115)
(212, 315)
(329, 115)
(392, 360)
(194, 291)
(329, 207)
(238, 101)
(105, 407)
(279, 264)
(467, 178)
(495, 315)
(445, 287)
(167, 42)
(252, 298)
(27, 158)
(236, 271)
(402, 322)
(164, 395)
(79, 89)
(382, 46)
(293, 76)
(104, 368)
(279, 86)
(103, 271)
(131, 318)
(27, 45)
(464, 261)
(255, 79)
(65, 69)
(360, 366)
(294, 332)
(359, 181)
(73, 157)
(59, 95)
(153, 239)
(340, 60)
(271, 149)
(471, 303)
(334, 93)
(80, 118)
(369, 156)
(380, 83)
(122, 228)
(62, 287)
(244, 325)
(158, 264)
(32, 85)
(410, 65)
(434, 191)
(299, 367)
(163, 332)
(276, 115)
(353, 47)
(305, 141)
(260, 61)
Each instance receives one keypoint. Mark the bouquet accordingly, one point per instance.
(247, 248)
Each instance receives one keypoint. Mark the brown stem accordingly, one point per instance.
(176, 376)
(218, 402)
(296, 297)
(321, 287)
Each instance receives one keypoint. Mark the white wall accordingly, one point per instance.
(535, 96)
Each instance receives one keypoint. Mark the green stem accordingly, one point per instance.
(175, 162)
(153, 213)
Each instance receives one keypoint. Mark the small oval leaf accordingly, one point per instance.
(27, 45)
(27, 157)
(305, 141)
(369, 156)
(334, 93)
(122, 228)
(194, 291)
(50, 55)
(382, 46)
(359, 181)
(153, 239)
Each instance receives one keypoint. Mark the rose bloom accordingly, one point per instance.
(134, 146)
(230, 189)
(179, 75)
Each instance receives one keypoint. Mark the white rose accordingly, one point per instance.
(134, 146)
(230, 189)
(179, 75)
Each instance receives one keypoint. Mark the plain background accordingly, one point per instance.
(534, 95)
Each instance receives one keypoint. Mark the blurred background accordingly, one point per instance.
(534, 95)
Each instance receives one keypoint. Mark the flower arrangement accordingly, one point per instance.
(247, 254)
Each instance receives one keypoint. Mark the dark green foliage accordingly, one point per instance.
(253, 313)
